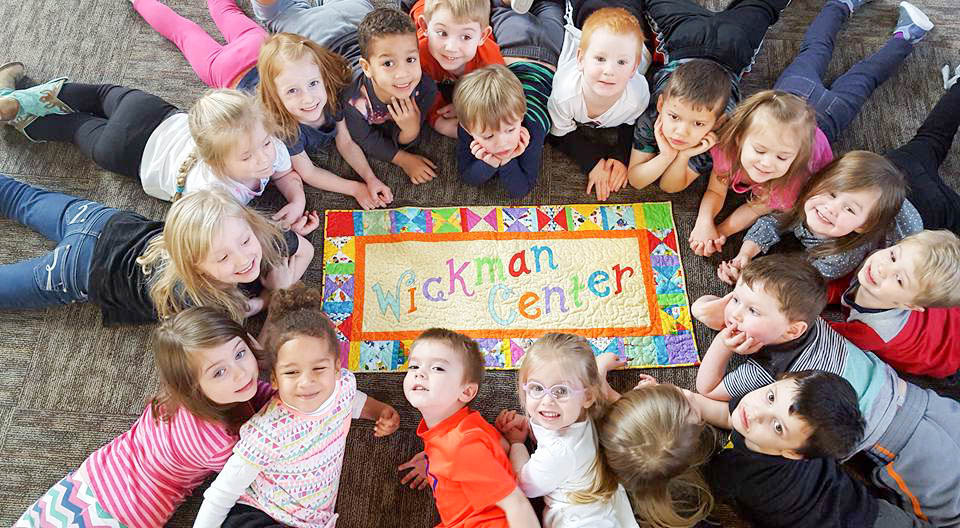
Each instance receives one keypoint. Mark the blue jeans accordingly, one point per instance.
(838, 105)
(63, 275)
(536, 35)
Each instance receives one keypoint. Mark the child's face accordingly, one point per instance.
(434, 383)
(252, 157)
(758, 314)
(888, 276)
(541, 404)
(608, 63)
(394, 66)
(301, 90)
(502, 142)
(453, 42)
(235, 253)
(306, 372)
(683, 125)
(767, 424)
(228, 372)
(768, 149)
(837, 214)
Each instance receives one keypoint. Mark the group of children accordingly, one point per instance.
(879, 234)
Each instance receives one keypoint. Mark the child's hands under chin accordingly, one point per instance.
(738, 342)
(387, 422)
(706, 144)
(483, 155)
(417, 477)
(513, 426)
(663, 144)
(522, 144)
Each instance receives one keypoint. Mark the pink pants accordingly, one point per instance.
(216, 65)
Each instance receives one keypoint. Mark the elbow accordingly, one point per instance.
(671, 187)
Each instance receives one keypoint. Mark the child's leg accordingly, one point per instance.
(216, 65)
(111, 124)
(804, 76)
(582, 9)
(536, 35)
(731, 37)
(61, 276)
(920, 159)
(326, 24)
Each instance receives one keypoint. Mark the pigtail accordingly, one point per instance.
(188, 164)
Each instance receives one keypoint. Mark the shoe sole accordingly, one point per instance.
(9, 65)
(521, 6)
(919, 18)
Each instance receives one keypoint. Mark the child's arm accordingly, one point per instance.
(291, 187)
(292, 268)
(386, 417)
(679, 175)
(328, 181)
(519, 512)
(473, 170)
(376, 192)
(237, 474)
(446, 121)
(519, 172)
(406, 114)
(729, 271)
(709, 309)
(704, 237)
(743, 217)
(646, 167)
(710, 375)
(714, 412)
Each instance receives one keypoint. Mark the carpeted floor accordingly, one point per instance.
(69, 385)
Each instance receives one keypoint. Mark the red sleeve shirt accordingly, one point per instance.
(468, 469)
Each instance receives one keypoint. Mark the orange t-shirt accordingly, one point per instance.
(469, 471)
(487, 53)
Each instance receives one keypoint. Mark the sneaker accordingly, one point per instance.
(521, 6)
(912, 25)
(949, 81)
(853, 5)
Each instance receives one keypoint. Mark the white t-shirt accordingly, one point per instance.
(567, 106)
(171, 143)
(563, 463)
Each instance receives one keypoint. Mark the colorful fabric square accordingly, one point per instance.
(68, 503)
(505, 276)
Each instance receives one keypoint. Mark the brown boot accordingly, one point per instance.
(8, 109)
(10, 73)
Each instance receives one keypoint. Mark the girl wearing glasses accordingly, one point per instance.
(563, 392)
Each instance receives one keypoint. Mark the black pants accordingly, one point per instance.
(584, 8)
(731, 37)
(243, 516)
(920, 159)
(111, 124)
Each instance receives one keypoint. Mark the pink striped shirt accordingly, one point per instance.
(143, 475)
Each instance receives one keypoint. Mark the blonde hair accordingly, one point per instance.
(178, 345)
(216, 119)
(280, 50)
(575, 357)
(656, 454)
(937, 272)
(488, 96)
(855, 171)
(172, 259)
(617, 21)
(790, 113)
(473, 10)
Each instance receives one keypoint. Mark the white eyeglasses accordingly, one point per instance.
(558, 392)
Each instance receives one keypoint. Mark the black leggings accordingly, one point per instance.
(111, 124)
(582, 9)
(920, 159)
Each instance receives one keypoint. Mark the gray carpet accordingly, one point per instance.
(69, 385)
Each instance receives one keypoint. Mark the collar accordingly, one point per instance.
(850, 295)
(444, 427)
(776, 359)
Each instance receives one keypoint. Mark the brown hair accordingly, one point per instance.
(937, 272)
(467, 349)
(472, 10)
(790, 113)
(656, 454)
(488, 96)
(382, 22)
(855, 171)
(296, 312)
(280, 50)
(799, 288)
(178, 343)
(617, 21)
(575, 356)
(702, 83)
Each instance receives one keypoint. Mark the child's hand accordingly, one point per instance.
(418, 168)
(305, 225)
(645, 380)
(281, 276)
(405, 113)
(387, 422)
(706, 144)
(709, 310)
(380, 191)
(599, 179)
(447, 112)
(705, 240)
(417, 478)
(738, 342)
(618, 174)
(729, 271)
(521, 145)
(608, 361)
(290, 213)
(513, 426)
(481, 154)
(663, 144)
